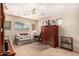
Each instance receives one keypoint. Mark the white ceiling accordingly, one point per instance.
(43, 9)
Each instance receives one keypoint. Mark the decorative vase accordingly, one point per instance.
(48, 22)
(53, 22)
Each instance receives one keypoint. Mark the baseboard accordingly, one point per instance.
(75, 50)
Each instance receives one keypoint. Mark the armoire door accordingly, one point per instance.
(54, 35)
(1, 28)
(45, 34)
(47, 37)
(42, 34)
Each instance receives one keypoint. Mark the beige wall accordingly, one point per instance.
(70, 25)
(11, 33)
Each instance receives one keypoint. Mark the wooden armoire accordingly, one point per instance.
(49, 35)
(1, 28)
(10, 51)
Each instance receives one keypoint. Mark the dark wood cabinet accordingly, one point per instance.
(49, 35)
(1, 28)
(11, 49)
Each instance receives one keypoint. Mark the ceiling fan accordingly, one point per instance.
(34, 11)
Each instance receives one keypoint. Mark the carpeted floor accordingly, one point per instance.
(38, 49)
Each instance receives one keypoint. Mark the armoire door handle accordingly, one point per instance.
(1, 29)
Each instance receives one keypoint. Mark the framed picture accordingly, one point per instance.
(33, 26)
(7, 25)
(53, 22)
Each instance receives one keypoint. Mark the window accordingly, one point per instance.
(21, 26)
(59, 21)
(7, 25)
